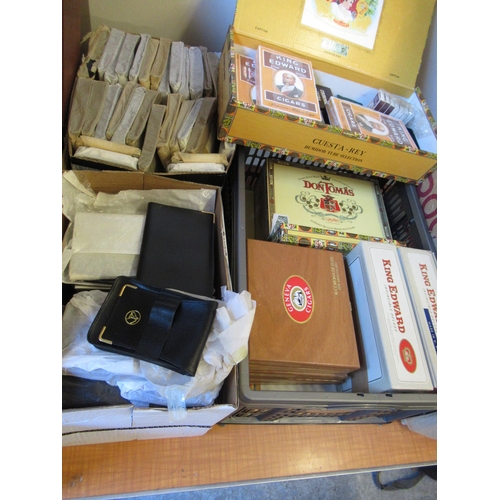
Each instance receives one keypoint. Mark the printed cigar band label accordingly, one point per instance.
(290, 101)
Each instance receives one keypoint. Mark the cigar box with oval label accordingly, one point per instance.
(303, 330)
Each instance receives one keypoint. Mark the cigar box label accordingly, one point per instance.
(245, 73)
(298, 299)
(286, 83)
(353, 21)
(322, 238)
(366, 121)
(401, 328)
(424, 274)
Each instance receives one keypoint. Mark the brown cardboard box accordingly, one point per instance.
(127, 422)
(157, 165)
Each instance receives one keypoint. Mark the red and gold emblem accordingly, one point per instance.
(408, 357)
(298, 299)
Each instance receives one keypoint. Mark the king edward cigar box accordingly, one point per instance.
(420, 270)
(318, 198)
(303, 330)
(391, 345)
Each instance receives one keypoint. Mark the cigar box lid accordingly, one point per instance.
(303, 314)
(326, 200)
(376, 42)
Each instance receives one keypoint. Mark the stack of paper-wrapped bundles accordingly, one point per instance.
(146, 103)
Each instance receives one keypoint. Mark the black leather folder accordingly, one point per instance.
(177, 249)
(161, 326)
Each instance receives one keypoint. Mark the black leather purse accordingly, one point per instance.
(161, 326)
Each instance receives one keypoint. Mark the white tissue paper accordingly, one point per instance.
(144, 383)
(176, 66)
(133, 74)
(423, 424)
(196, 167)
(107, 157)
(87, 266)
(108, 233)
(114, 92)
(110, 53)
(130, 114)
(196, 73)
(126, 57)
(105, 245)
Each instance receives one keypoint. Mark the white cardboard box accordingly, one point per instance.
(392, 348)
(420, 270)
(127, 423)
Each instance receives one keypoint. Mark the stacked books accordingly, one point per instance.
(303, 330)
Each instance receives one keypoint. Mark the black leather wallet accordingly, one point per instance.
(177, 249)
(161, 326)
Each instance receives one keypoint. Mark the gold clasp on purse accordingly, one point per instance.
(131, 318)
(101, 339)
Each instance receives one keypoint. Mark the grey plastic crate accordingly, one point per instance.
(300, 404)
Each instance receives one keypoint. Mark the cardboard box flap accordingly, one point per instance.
(200, 417)
(384, 41)
(105, 417)
(117, 180)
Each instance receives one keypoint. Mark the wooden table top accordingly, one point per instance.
(240, 453)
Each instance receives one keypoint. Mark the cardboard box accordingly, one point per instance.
(157, 165)
(114, 181)
(420, 270)
(391, 344)
(109, 424)
(258, 127)
(125, 422)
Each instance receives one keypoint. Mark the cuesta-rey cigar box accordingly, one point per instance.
(391, 344)
(380, 48)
